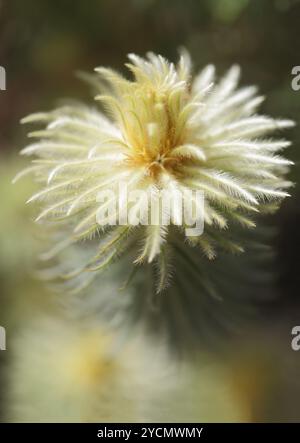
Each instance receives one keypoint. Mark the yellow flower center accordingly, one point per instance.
(152, 131)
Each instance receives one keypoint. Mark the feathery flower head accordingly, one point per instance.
(66, 371)
(161, 131)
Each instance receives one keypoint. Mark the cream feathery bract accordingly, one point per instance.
(165, 131)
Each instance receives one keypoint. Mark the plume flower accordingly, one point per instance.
(164, 130)
(65, 371)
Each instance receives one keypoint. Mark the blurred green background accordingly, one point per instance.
(44, 42)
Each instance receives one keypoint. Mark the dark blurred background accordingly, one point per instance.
(44, 42)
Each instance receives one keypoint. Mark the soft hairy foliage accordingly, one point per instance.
(162, 130)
